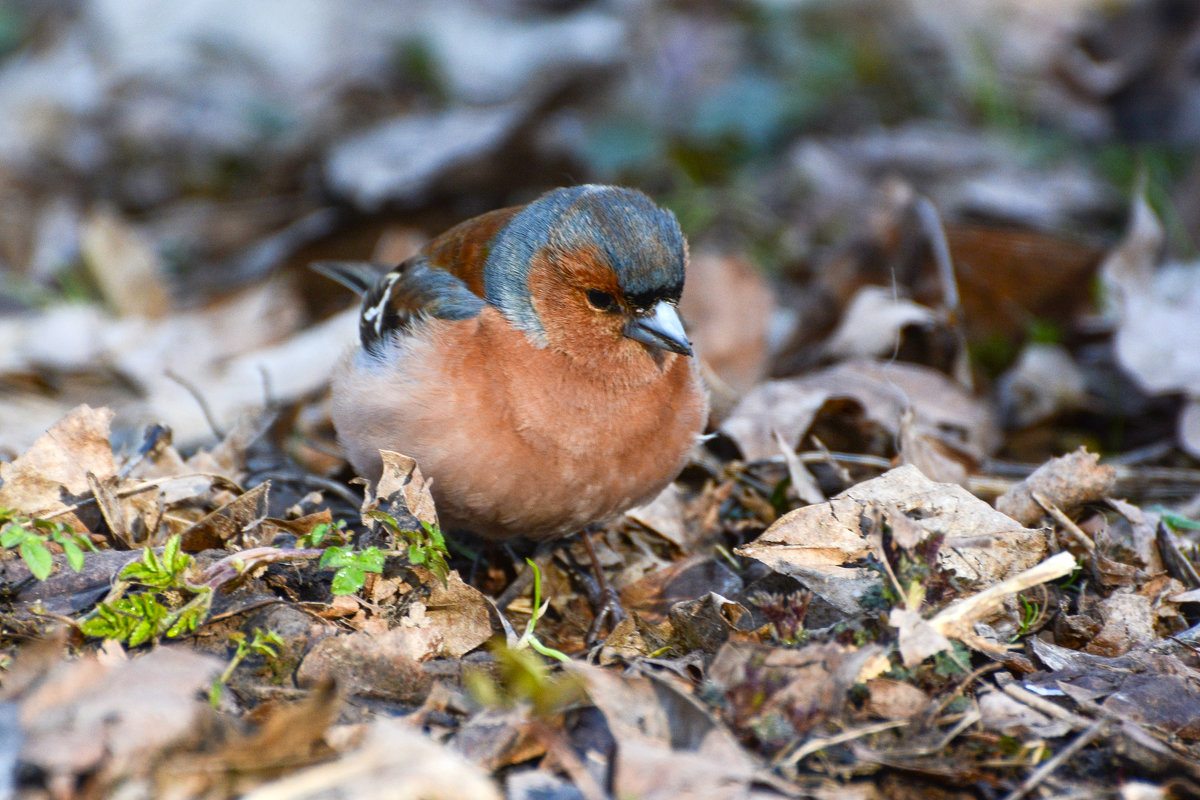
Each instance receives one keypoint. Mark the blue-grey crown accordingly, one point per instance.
(641, 241)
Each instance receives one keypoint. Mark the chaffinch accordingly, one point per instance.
(532, 361)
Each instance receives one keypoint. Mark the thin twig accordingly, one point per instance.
(1066, 522)
(1043, 772)
(935, 234)
(1043, 705)
(146, 486)
(813, 745)
(194, 391)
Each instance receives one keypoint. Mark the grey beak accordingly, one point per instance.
(660, 327)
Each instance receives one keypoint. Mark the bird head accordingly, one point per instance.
(591, 267)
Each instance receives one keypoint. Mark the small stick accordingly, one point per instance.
(1043, 772)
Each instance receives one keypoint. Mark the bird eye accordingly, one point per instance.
(601, 301)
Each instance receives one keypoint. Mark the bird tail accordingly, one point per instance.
(357, 276)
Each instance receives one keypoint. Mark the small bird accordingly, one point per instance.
(532, 361)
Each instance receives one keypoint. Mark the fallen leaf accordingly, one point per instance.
(822, 546)
(461, 615)
(1068, 482)
(124, 265)
(1009, 716)
(111, 721)
(668, 744)
(54, 471)
(1044, 382)
(884, 390)
(873, 322)
(382, 666)
(404, 492)
(392, 760)
(664, 516)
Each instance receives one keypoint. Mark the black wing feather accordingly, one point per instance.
(394, 302)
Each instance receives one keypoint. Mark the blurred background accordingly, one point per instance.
(167, 171)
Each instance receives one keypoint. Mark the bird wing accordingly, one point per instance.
(444, 280)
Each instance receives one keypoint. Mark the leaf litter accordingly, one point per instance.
(882, 576)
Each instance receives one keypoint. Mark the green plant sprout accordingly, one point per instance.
(30, 536)
(263, 643)
(321, 532)
(528, 638)
(1030, 613)
(140, 617)
(352, 566)
(426, 547)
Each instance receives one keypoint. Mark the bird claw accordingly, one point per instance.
(607, 610)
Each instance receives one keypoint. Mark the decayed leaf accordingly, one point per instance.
(811, 682)
(451, 622)
(236, 518)
(1045, 381)
(1068, 482)
(393, 760)
(125, 266)
(460, 614)
(58, 464)
(1158, 311)
(1007, 715)
(1144, 687)
(884, 390)
(86, 717)
(873, 322)
(402, 489)
(668, 744)
(821, 545)
(286, 737)
(664, 516)
(929, 454)
(1127, 621)
(369, 664)
(892, 699)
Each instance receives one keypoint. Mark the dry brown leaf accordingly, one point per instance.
(373, 665)
(1127, 621)
(813, 681)
(668, 744)
(918, 639)
(403, 491)
(704, 624)
(286, 736)
(940, 407)
(892, 699)
(822, 545)
(1157, 310)
(1044, 382)
(498, 737)
(125, 266)
(1009, 716)
(461, 615)
(85, 717)
(873, 322)
(929, 454)
(393, 760)
(235, 519)
(54, 471)
(695, 576)
(664, 516)
(1067, 481)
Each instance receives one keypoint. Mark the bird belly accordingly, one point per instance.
(519, 450)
